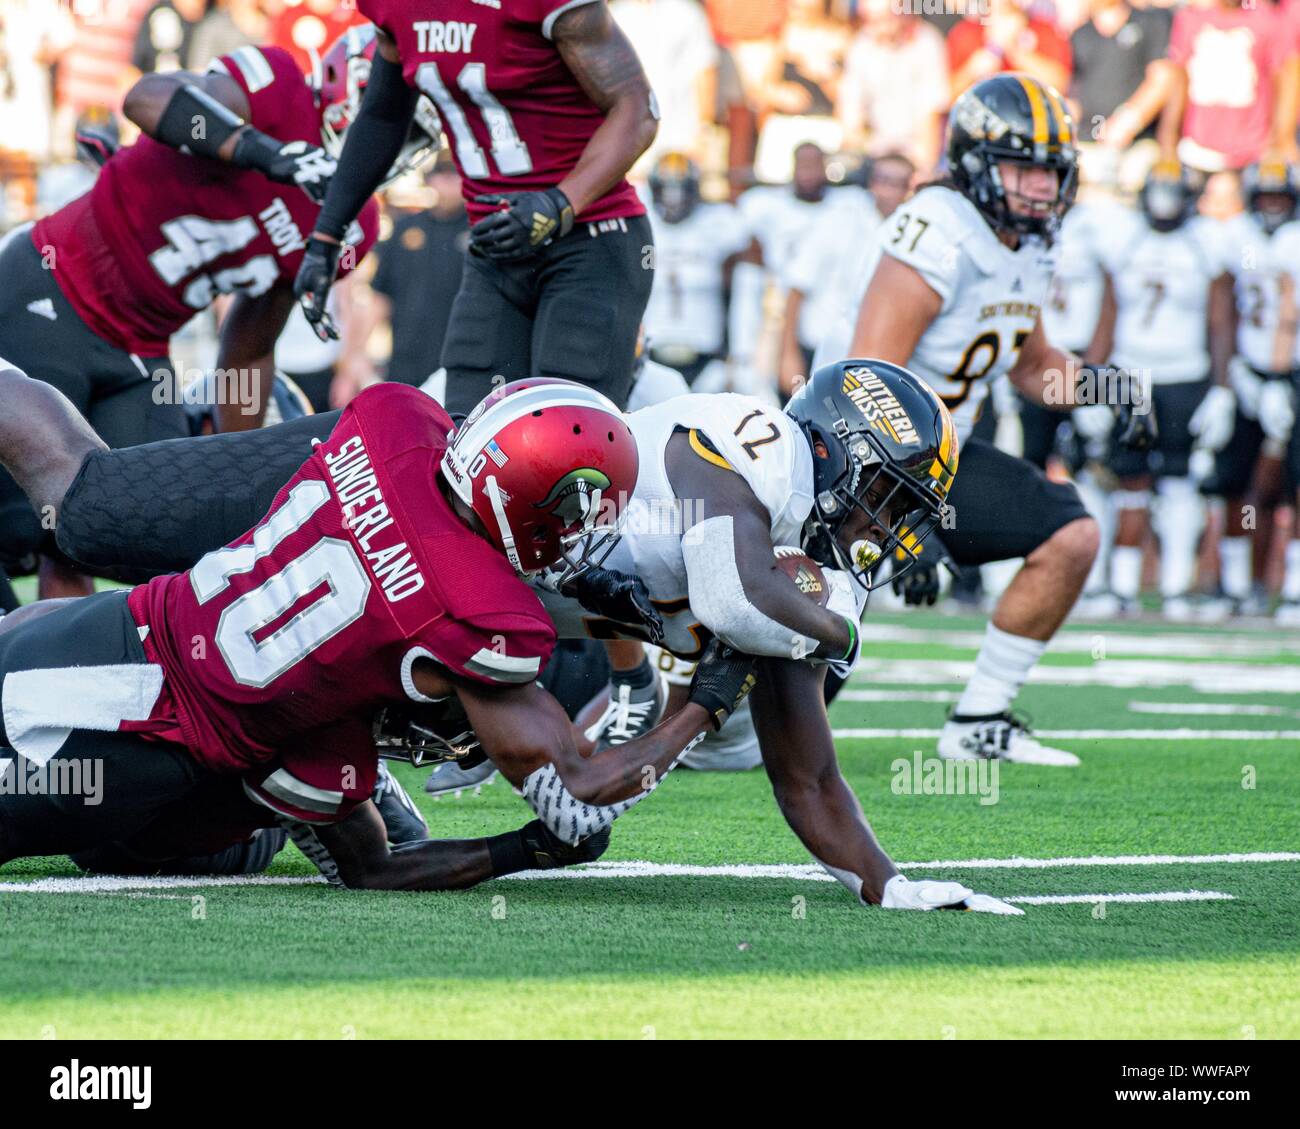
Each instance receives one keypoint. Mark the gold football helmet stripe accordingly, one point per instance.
(1060, 117)
(1037, 107)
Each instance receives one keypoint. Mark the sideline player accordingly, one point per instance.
(546, 109)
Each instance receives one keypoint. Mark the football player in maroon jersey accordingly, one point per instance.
(217, 197)
(546, 109)
(387, 570)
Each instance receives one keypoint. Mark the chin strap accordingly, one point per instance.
(503, 523)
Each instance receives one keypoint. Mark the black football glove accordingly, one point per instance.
(616, 595)
(526, 223)
(548, 852)
(1124, 392)
(722, 681)
(96, 145)
(293, 162)
(320, 265)
(919, 585)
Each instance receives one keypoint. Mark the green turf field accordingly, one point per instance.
(1170, 723)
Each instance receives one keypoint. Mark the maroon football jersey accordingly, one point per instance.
(516, 118)
(162, 233)
(317, 615)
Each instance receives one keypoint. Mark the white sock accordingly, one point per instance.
(1126, 571)
(1003, 664)
(1179, 521)
(1234, 566)
(1291, 582)
(1097, 503)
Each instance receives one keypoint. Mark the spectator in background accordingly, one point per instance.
(162, 43)
(750, 31)
(1121, 75)
(229, 25)
(1008, 38)
(305, 28)
(798, 100)
(829, 264)
(895, 85)
(95, 70)
(414, 285)
(676, 47)
(1234, 93)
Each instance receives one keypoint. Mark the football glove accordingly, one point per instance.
(1213, 420)
(320, 264)
(722, 681)
(95, 145)
(1277, 410)
(927, 894)
(919, 585)
(526, 222)
(293, 162)
(1093, 422)
(616, 595)
(1125, 392)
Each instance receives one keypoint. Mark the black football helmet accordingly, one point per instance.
(1012, 118)
(675, 187)
(883, 444)
(1272, 191)
(1168, 196)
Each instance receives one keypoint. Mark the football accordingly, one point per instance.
(804, 571)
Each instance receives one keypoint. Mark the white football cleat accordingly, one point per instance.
(927, 894)
(1177, 609)
(998, 737)
(1097, 605)
(1288, 613)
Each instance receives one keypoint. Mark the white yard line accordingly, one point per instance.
(1205, 678)
(801, 872)
(1171, 644)
(1086, 899)
(1095, 734)
(1212, 709)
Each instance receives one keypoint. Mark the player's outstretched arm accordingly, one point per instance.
(606, 65)
(246, 356)
(208, 115)
(372, 144)
(736, 589)
(794, 735)
(43, 439)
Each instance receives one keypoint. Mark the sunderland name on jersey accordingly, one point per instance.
(739, 433)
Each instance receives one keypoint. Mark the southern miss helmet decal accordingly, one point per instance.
(978, 120)
(944, 468)
(879, 406)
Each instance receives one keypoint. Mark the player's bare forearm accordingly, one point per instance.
(799, 755)
(1222, 327)
(246, 357)
(359, 847)
(1044, 373)
(606, 66)
(43, 439)
(896, 310)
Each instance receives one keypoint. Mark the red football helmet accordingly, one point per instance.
(549, 467)
(339, 79)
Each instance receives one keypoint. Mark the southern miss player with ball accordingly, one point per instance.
(961, 274)
(856, 470)
(217, 197)
(546, 109)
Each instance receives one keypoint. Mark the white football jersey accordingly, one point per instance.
(992, 296)
(686, 307)
(1266, 274)
(760, 443)
(1073, 305)
(828, 264)
(1162, 295)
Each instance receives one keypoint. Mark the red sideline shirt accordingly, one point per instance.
(360, 568)
(1232, 57)
(162, 232)
(515, 116)
(968, 36)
